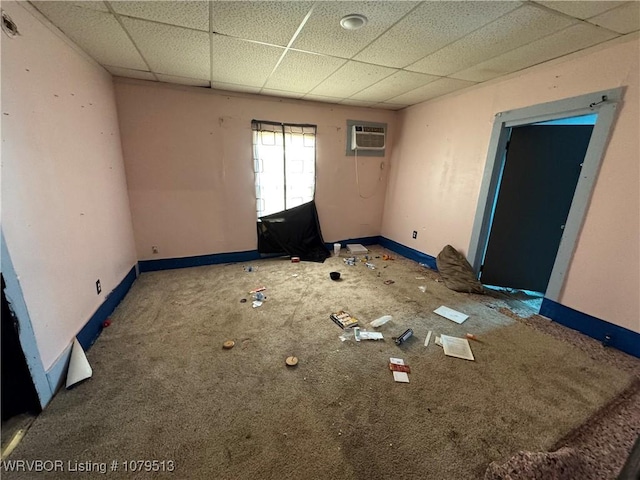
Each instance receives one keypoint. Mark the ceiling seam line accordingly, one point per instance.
(583, 20)
(293, 39)
(390, 27)
(532, 42)
(467, 34)
(210, 31)
(115, 15)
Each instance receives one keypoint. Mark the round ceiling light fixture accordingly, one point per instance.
(353, 21)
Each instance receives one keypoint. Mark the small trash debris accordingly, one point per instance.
(438, 341)
(250, 268)
(378, 322)
(422, 288)
(334, 275)
(351, 261)
(426, 341)
(344, 319)
(364, 335)
(356, 249)
(399, 368)
(295, 259)
(256, 304)
(456, 347)
(420, 278)
(228, 344)
(401, 377)
(259, 289)
(387, 257)
(259, 296)
(347, 334)
(471, 336)
(425, 266)
(294, 275)
(243, 300)
(371, 266)
(291, 361)
(404, 337)
(106, 323)
(389, 282)
(451, 314)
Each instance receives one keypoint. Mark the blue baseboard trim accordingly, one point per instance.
(91, 331)
(621, 338)
(408, 252)
(93, 328)
(198, 261)
(362, 241)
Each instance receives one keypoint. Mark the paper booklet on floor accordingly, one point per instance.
(451, 314)
(456, 347)
(344, 319)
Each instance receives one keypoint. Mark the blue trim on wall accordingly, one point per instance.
(198, 261)
(361, 241)
(92, 329)
(619, 337)
(13, 291)
(409, 252)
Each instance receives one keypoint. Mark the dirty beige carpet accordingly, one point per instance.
(164, 389)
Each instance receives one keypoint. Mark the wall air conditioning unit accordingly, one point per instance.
(364, 137)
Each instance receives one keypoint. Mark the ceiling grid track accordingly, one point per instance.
(117, 17)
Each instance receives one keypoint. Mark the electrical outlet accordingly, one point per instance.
(415, 234)
(98, 286)
(154, 249)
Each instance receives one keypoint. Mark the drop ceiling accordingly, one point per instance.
(407, 53)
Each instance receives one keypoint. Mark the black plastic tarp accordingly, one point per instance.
(295, 232)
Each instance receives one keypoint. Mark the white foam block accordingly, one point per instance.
(426, 342)
(357, 248)
(401, 377)
(451, 314)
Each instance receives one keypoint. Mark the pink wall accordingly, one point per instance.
(188, 158)
(65, 212)
(440, 153)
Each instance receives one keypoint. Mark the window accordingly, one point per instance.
(284, 158)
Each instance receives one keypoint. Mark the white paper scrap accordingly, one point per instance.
(438, 341)
(451, 314)
(401, 377)
(456, 347)
(257, 303)
(426, 342)
(396, 361)
(370, 335)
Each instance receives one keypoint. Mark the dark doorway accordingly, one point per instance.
(541, 170)
(18, 393)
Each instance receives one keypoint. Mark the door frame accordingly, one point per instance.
(605, 104)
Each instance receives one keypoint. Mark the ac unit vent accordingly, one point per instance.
(367, 138)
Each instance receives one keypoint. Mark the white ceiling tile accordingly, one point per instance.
(430, 90)
(130, 73)
(323, 33)
(624, 19)
(242, 63)
(580, 9)
(301, 72)
(391, 106)
(394, 85)
(569, 40)
(270, 22)
(322, 98)
(280, 93)
(517, 28)
(97, 33)
(188, 14)
(351, 78)
(232, 87)
(357, 103)
(93, 5)
(430, 27)
(171, 50)
(194, 82)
